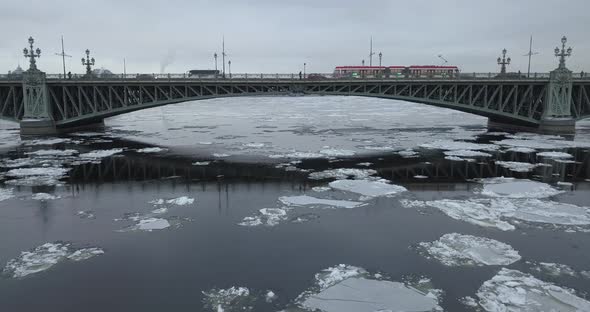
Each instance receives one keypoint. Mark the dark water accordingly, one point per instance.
(168, 270)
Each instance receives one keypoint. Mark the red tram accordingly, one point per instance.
(414, 71)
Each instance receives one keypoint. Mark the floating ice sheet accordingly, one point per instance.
(98, 154)
(554, 269)
(228, 300)
(305, 200)
(201, 163)
(456, 249)
(151, 224)
(555, 155)
(266, 216)
(517, 188)
(332, 152)
(36, 176)
(53, 152)
(43, 196)
(459, 145)
(44, 257)
(151, 150)
(181, 201)
(345, 288)
(6, 193)
(467, 153)
(512, 290)
(342, 173)
(367, 188)
(517, 166)
(472, 211)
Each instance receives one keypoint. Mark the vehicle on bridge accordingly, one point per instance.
(203, 73)
(413, 71)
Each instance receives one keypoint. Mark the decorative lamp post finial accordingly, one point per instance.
(563, 53)
(32, 54)
(503, 61)
(88, 62)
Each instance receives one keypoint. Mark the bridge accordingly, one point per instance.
(46, 104)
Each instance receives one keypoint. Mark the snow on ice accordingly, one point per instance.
(342, 173)
(305, 200)
(517, 166)
(456, 249)
(44, 257)
(368, 188)
(266, 216)
(516, 188)
(151, 150)
(230, 299)
(512, 290)
(98, 154)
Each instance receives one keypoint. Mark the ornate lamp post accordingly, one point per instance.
(229, 68)
(563, 53)
(380, 56)
(32, 54)
(503, 61)
(88, 62)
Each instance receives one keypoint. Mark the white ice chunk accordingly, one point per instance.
(524, 150)
(43, 196)
(366, 295)
(554, 269)
(221, 155)
(467, 153)
(517, 188)
(266, 216)
(44, 257)
(367, 188)
(53, 152)
(150, 224)
(101, 153)
(201, 163)
(540, 211)
(337, 152)
(473, 212)
(181, 201)
(85, 253)
(517, 166)
(342, 173)
(233, 299)
(408, 153)
(305, 200)
(455, 249)
(151, 150)
(321, 188)
(512, 290)
(47, 141)
(6, 193)
(555, 155)
(45, 171)
(459, 145)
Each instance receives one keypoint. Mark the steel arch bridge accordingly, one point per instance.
(64, 104)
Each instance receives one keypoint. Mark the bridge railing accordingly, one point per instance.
(288, 76)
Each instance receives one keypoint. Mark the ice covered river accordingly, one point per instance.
(328, 204)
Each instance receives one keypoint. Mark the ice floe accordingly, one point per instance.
(555, 155)
(512, 290)
(505, 213)
(554, 269)
(459, 145)
(342, 173)
(151, 150)
(181, 201)
(6, 193)
(517, 166)
(221, 155)
(45, 256)
(346, 288)
(85, 214)
(365, 164)
(368, 188)
(456, 158)
(516, 188)
(524, 150)
(98, 154)
(47, 141)
(331, 152)
(305, 200)
(266, 216)
(151, 224)
(201, 163)
(456, 249)
(43, 196)
(321, 188)
(36, 176)
(466, 153)
(228, 300)
(53, 152)
(408, 153)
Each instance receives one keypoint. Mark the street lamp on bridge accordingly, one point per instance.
(229, 68)
(380, 56)
(503, 61)
(88, 62)
(32, 55)
(563, 53)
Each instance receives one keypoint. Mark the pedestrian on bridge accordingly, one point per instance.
(300, 75)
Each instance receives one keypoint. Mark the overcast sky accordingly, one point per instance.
(278, 36)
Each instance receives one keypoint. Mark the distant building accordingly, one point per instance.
(17, 72)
